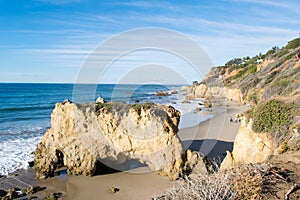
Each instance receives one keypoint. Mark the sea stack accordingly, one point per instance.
(82, 135)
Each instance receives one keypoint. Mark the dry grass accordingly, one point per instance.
(216, 186)
(257, 181)
(253, 181)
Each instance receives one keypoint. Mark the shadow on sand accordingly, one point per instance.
(213, 149)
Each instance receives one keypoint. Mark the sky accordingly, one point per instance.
(51, 40)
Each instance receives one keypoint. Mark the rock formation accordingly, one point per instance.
(80, 137)
(204, 91)
(249, 147)
(195, 163)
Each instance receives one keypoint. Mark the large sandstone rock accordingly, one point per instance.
(234, 94)
(200, 91)
(204, 91)
(80, 137)
(249, 147)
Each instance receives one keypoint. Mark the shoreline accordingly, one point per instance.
(207, 129)
(140, 183)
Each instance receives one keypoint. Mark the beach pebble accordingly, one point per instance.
(114, 190)
(208, 105)
(31, 190)
(54, 196)
(31, 164)
(198, 109)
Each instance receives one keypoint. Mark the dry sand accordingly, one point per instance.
(132, 185)
(212, 137)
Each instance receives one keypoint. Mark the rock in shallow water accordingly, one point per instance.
(79, 137)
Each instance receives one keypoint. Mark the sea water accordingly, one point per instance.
(25, 112)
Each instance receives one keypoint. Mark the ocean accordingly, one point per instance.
(25, 112)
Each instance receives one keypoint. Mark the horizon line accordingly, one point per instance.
(72, 83)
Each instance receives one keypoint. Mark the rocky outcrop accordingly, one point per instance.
(249, 147)
(204, 91)
(79, 138)
(195, 163)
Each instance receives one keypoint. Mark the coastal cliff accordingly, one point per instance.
(250, 80)
(265, 157)
(270, 85)
(82, 135)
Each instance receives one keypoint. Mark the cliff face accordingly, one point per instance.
(80, 137)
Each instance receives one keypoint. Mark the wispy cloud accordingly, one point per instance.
(150, 5)
(231, 28)
(279, 4)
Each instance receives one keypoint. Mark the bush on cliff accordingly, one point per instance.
(293, 44)
(146, 105)
(272, 116)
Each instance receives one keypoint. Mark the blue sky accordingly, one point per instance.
(49, 40)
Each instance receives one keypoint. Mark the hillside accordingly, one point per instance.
(269, 83)
(269, 133)
(275, 73)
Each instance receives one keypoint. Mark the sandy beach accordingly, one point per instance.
(211, 137)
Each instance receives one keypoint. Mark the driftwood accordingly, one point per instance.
(293, 189)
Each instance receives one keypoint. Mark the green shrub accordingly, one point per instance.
(249, 114)
(98, 106)
(252, 69)
(271, 51)
(138, 107)
(284, 147)
(282, 83)
(239, 74)
(106, 106)
(272, 116)
(293, 44)
(254, 97)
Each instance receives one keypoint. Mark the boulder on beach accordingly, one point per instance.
(82, 135)
(195, 163)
